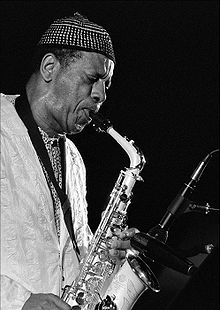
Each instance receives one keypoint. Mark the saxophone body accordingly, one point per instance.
(88, 291)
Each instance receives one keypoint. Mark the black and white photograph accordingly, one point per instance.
(109, 155)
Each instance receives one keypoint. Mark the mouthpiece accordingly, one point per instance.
(99, 122)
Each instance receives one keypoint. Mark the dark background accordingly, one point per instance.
(164, 96)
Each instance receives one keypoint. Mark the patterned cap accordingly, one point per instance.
(80, 33)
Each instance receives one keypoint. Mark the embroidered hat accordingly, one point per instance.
(80, 33)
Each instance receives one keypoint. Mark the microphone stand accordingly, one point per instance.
(180, 203)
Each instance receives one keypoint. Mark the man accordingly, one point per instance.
(44, 212)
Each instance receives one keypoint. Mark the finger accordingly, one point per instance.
(60, 304)
(45, 302)
(120, 244)
(129, 233)
(120, 254)
(110, 241)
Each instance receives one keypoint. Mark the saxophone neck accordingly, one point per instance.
(136, 156)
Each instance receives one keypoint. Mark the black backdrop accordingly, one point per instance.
(164, 96)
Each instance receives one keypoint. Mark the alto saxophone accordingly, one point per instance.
(88, 291)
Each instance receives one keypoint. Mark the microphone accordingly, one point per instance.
(180, 202)
(161, 253)
(204, 208)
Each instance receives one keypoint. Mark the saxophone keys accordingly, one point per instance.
(103, 255)
(98, 268)
(107, 304)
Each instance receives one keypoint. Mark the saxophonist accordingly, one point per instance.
(44, 226)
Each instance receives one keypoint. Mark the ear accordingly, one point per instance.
(49, 66)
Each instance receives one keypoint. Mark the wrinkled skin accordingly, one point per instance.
(63, 97)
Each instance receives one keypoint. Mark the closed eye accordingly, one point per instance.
(93, 79)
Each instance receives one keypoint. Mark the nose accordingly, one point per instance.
(98, 93)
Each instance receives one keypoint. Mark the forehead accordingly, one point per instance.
(97, 64)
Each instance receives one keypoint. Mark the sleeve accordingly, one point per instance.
(13, 295)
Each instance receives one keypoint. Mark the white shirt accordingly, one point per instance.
(32, 259)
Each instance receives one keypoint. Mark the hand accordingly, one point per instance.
(45, 302)
(121, 243)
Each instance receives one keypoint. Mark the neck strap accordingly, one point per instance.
(24, 111)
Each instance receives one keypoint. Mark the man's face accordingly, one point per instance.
(77, 89)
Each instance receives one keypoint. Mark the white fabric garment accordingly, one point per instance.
(32, 259)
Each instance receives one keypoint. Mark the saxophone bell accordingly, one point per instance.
(143, 271)
(131, 281)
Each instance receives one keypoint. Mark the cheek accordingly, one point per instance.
(64, 95)
(62, 89)
(69, 92)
